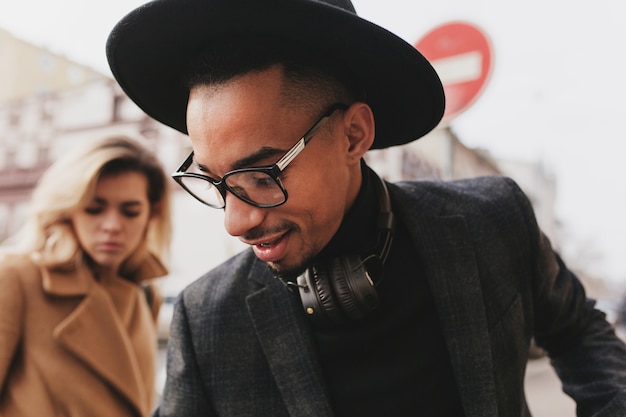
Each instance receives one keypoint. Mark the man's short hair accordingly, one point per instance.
(313, 78)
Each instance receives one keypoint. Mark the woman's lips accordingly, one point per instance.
(110, 246)
(273, 250)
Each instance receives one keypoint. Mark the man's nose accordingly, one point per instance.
(240, 217)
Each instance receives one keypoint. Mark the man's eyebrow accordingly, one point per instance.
(251, 160)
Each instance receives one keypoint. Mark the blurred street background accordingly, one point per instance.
(543, 391)
(535, 92)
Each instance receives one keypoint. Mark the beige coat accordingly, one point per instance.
(73, 346)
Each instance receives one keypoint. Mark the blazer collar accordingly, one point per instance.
(449, 257)
(288, 345)
(441, 236)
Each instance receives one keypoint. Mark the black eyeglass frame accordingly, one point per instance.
(272, 171)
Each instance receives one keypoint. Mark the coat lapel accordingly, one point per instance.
(288, 346)
(453, 277)
(102, 345)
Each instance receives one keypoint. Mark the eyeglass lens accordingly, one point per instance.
(252, 186)
(203, 190)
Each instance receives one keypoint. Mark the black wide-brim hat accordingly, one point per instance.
(149, 52)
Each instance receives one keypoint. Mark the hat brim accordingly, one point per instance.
(150, 49)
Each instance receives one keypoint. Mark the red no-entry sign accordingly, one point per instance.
(461, 54)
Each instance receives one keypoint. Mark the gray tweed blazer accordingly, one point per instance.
(240, 344)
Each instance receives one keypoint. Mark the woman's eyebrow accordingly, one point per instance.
(102, 201)
(131, 203)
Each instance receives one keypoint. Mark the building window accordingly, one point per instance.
(27, 155)
(14, 119)
(47, 63)
(4, 220)
(76, 75)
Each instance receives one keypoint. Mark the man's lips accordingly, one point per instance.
(271, 250)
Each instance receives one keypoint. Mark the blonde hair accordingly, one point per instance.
(69, 184)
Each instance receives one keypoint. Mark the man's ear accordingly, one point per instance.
(359, 129)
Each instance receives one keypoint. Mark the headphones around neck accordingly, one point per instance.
(342, 289)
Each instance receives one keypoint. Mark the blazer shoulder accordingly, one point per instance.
(470, 188)
(463, 195)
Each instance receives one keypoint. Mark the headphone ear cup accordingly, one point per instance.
(341, 269)
(317, 297)
(353, 287)
(343, 291)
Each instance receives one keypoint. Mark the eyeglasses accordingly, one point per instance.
(260, 187)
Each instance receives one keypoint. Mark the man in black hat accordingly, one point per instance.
(357, 297)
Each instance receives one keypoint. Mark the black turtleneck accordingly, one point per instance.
(394, 362)
(357, 233)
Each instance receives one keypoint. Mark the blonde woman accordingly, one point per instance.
(77, 326)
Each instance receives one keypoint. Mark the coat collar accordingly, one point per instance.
(66, 282)
(77, 281)
(104, 345)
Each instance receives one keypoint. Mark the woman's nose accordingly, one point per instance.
(112, 222)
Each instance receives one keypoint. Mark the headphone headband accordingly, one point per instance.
(386, 221)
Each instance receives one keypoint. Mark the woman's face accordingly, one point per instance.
(113, 224)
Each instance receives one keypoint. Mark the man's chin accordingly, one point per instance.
(286, 273)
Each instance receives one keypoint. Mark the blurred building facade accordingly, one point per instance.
(34, 131)
(442, 156)
(28, 70)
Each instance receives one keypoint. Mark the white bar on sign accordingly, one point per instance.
(459, 68)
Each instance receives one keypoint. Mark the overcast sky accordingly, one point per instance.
(555, 95)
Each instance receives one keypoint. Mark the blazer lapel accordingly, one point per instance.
(288, 346)
(454, 280)
(102, 344)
